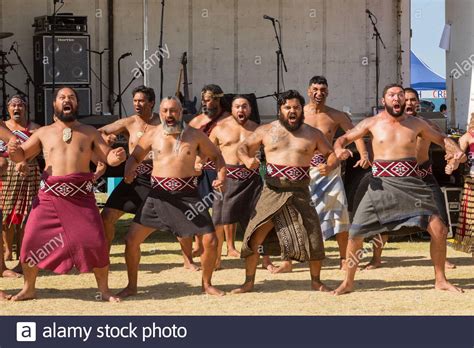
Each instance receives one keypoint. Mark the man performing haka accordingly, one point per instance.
(127, 198)
(20, 182)
(326, 186)
(284, 205)
(171, 202)
(213, 111)
(396, 197)
(64, 229)
(243, 185)
(425, 172)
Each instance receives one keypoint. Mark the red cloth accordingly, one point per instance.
(64, 229)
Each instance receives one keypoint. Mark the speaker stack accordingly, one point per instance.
(71, 66)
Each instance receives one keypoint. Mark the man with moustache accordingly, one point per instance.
(425, 166)
(284, 221)
(64, 229)
(169, 205)
(397, 200)
(243, 185)
(20, 182)
(127, 198)
(213, 111)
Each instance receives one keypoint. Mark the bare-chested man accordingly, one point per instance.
(284, 206)
(426, 173)
(397, 197)
(64, 229)
(172, 202)
(243, 185)
(213, 111)
(127, 198)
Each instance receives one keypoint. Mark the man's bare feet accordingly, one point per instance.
(319, 286)
(211, 290)
(24, 295)
(344, 288)
(191, 266)
(108, 297)
(447, 286)
(449, 265)
(233, 253)
(285, 267)
(246, 287)
(127, 292)
(4, 296)
(8, 273)
(267, 264)
(373, 264)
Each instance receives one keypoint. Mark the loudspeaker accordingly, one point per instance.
(452, 197)
(44, 104)
(72, 59)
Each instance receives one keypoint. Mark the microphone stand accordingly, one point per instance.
(160, 48)
(378, 39)
(280, 58)
(101, 100)
(29, 79)
(53, 44)
(119, 96)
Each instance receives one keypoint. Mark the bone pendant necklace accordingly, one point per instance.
(67, 134)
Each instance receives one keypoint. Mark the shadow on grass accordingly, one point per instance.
(162, 291)
(277, 285)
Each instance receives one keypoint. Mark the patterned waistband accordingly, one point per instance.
(395, 168)
(67, 189)
(317, 160)
(288, 172)
(174, 184)
(209, 165)
(240, 172)
(144, 169)
(424, 171)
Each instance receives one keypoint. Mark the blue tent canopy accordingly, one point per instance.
(422, 77)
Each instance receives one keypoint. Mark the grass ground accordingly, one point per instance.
(404, 286)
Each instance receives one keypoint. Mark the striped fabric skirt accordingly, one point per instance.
(18, 193)
(465, 230)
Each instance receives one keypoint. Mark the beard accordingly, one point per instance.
(211, 112)
(241, 121)
(284, 122)
(393, 113)
(174, 129)
(68, 118)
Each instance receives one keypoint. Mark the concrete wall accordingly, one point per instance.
(460, 58)
(229, 43)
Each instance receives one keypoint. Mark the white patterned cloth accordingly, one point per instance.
(330, 202)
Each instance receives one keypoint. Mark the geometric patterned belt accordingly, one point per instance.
(209, 165)
(175, 184)
(317, 160)
(64, 189)
(288, 172)
(144, 169)
(424, 172)
(395, 168)
(240, 173)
